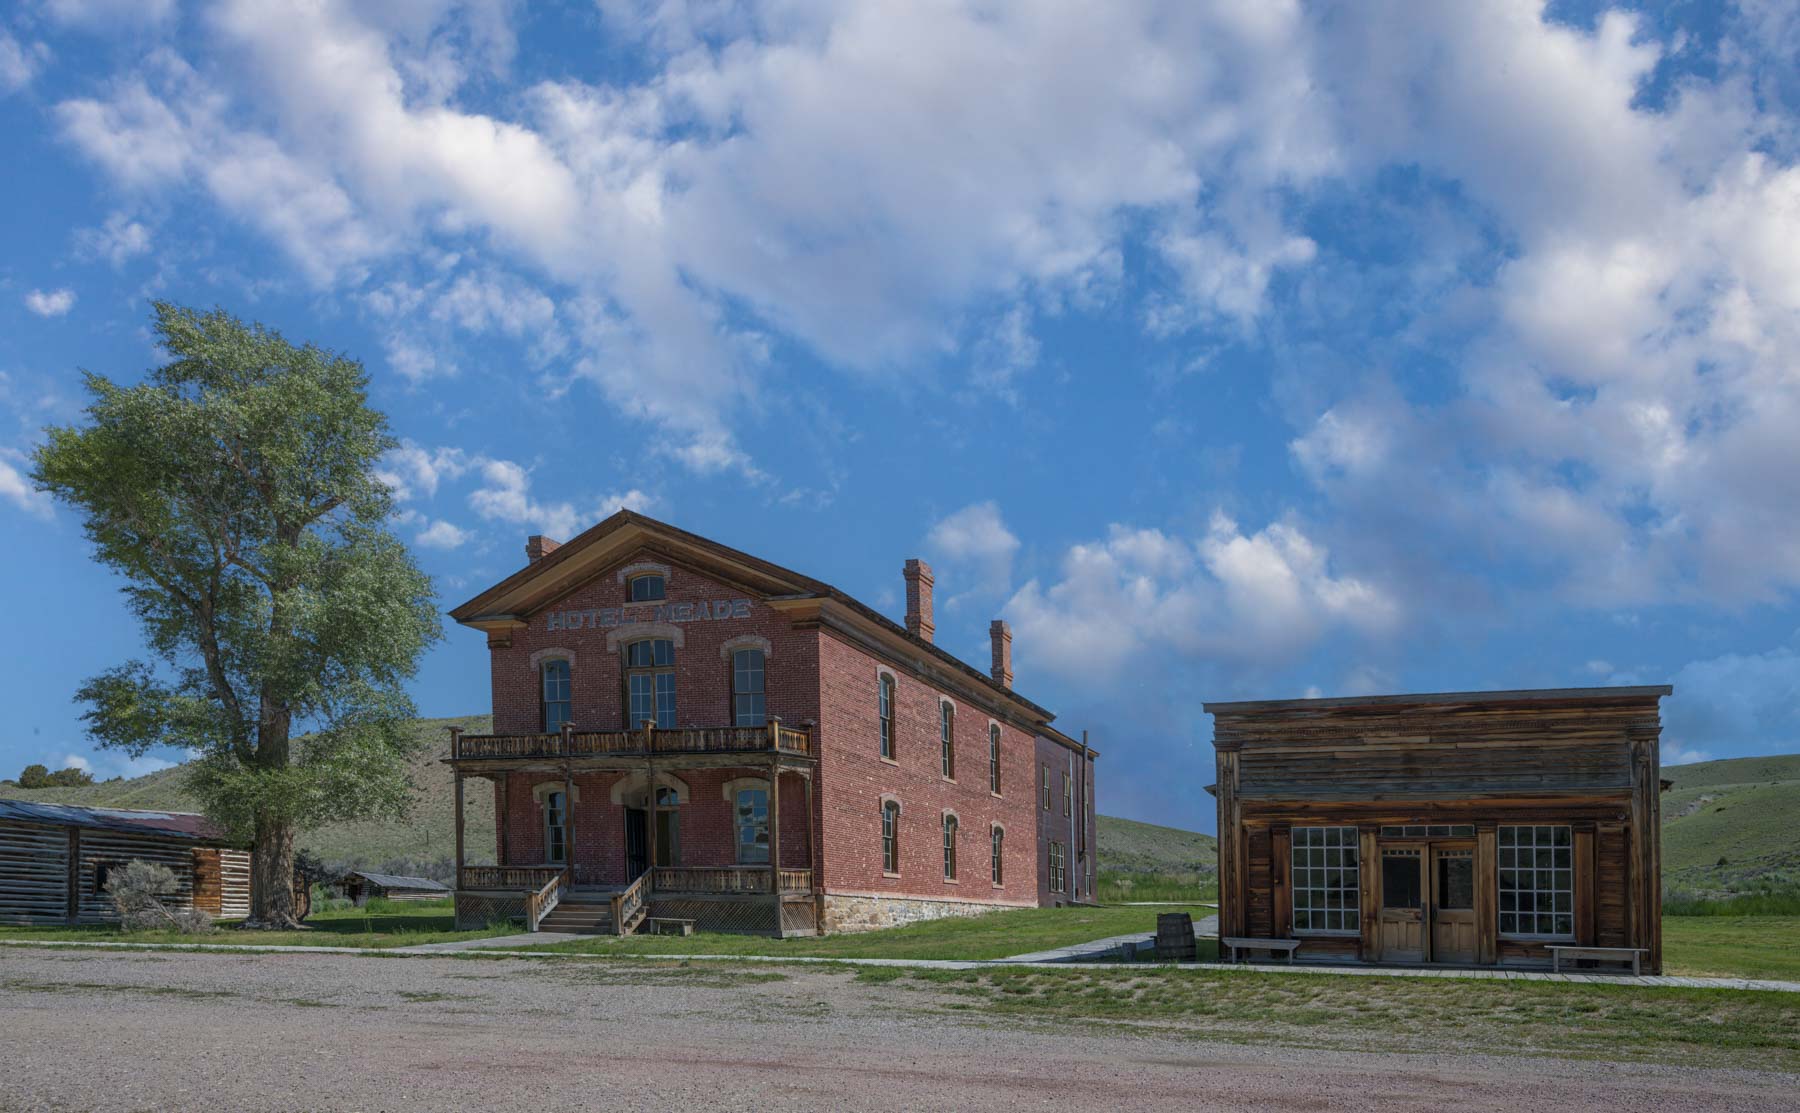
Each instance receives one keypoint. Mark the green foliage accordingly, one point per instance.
(234, 492)
(1768, 902)
(1176, 888)
(38, 776)
(1728, 826)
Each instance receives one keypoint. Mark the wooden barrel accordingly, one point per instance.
(1175, 937)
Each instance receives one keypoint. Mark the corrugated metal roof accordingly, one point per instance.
(396, 881)
(183, 825)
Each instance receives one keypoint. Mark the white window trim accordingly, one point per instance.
(955, 714)
(881, 816)
(644, 567)
(1356, 890)
(893, 715)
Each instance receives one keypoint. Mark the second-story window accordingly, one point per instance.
(994, 758)
(650, 683)
(949, 847)
(1044, 784)
(646, 587)
(885, 708)
(748, 706)
(554, 694)
(1067, 810)
(947, 730)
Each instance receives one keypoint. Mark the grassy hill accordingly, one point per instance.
(1732, 825)
(1127, 846)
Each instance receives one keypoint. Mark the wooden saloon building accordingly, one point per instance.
(1461, 829)
(55, 859)
(686, 735)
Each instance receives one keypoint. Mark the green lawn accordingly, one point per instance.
(1759, 1030)
(1732, 946)
(382, 924)
(993, 935)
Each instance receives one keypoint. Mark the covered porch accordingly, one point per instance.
(619, 831)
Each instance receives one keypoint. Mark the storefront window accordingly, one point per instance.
(1325, 880)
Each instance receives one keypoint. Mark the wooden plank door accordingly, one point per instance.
(1402, 915)
(1452, 903)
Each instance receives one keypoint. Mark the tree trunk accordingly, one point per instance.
(272, 876)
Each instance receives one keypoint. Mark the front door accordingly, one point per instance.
(1402, 916)
(637, 842)
(1452, 904)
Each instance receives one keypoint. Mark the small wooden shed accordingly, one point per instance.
(55, 858)
(1516, 828)
(360, 885)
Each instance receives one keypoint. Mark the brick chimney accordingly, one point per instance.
(537, 546)
(918, 599)
(1001, 635)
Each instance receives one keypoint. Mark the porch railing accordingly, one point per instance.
(772, 738)
(628, 902)
(541, 902)
(726, 879)
(533, 878)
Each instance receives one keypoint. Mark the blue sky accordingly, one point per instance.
(1227, 350)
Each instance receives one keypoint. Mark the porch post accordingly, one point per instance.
(650, 808)
(812, 849)
(569, 820)
(459, 827)
(775, 836)
(502, 818)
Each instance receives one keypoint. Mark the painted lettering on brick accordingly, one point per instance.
(600, 617)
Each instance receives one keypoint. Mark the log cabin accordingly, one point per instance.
(1453, 829)
(55, 859)
(686, 735)
(360, 885)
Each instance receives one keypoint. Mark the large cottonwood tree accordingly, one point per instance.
(234, 491)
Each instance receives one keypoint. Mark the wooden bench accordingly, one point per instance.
(664, 925)
(1633, 955)
(1238, 945)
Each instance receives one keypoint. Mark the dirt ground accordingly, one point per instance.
(173, 1031)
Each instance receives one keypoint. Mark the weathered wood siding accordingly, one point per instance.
(117, 848)
(34, 873)
(1588, 762)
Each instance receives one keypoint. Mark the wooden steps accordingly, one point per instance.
(579, 917)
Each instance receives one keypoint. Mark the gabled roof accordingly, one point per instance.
(400, 881)
(181, 825)
(591, 553)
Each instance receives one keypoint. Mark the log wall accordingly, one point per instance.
(34, 873)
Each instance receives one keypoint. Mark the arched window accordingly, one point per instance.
(949, 847)
(556, 851)
(748, 706)
(645, 587)
(994, 758)
(752, 822)
(885, 709)
(999, 846)
(650, 683)
(947, 730)
(554, 694)
(890, 836)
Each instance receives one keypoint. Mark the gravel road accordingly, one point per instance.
(170, 1031)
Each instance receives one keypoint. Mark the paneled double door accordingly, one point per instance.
(1427, 894)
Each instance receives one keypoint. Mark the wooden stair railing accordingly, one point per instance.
(630, 906)
(543, 901)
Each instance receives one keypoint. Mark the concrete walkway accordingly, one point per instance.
(1647, 981)
(1113, 946)
(500, 942)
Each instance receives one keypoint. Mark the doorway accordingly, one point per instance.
(668, 835)
(1427, 912)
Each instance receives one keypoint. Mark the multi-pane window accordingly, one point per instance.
(890, 836)
(556, 851)
(752, 823)
(1325, 880)
(947, 730)
(885, 709)
(1058, 862)
(994, 758)
(1044, 784)
(996, 855)
(748, 705)
(949, 848)
(1067, 808)
(1537, 881)
(555, 694)
(650, 682)
(646, 588)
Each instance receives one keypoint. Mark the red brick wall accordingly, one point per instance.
(854, 778)
(1053, 826)
(702, 676)
(705, 823)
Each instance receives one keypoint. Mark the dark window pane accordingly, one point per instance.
(1400, 882)
(1456, 883)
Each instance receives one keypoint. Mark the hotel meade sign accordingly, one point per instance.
(601, 617)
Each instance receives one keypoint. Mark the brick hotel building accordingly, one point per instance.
(685, 732)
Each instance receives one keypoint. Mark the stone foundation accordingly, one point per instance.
(848, 913)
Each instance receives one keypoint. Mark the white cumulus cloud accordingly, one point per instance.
(50, 303)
